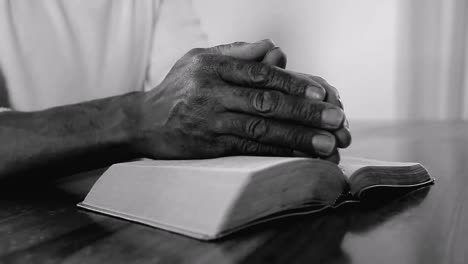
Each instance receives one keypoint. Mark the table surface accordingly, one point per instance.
(42, 224)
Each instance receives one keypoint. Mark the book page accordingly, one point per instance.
(238, 163)
(349, 165)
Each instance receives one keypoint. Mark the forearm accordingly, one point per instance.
(69, 138)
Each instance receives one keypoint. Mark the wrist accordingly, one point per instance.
(126, 112)
(146, 134)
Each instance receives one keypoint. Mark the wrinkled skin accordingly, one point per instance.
(237, 100)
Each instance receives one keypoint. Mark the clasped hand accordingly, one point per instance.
(237, 99)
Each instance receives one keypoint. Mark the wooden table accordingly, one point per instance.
(42, 224)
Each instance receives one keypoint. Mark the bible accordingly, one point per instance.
(210, 198)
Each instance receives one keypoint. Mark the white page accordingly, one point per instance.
(238, 163)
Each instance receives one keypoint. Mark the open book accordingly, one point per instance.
(207, 199)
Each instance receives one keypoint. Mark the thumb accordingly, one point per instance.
(275, 57)
(245, 51)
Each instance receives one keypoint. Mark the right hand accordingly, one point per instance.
(219, 101)
(276, 57)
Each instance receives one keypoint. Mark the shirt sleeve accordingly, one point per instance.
(176, 31)
(4, 99)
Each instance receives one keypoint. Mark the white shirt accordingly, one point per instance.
(55, 52)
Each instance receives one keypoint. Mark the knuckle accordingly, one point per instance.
(202, 63)
(298, 139)
(296, 88)
(199, 59)
(285, 82)
(247, 146)
(256, 128)
(307, 112)
(265, 101)
(258, 73)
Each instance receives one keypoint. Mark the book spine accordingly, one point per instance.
(345, 198)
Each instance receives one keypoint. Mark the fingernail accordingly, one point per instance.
(332, 117)
(323, 144)
(315, 93)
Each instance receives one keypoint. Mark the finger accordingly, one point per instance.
(275, 57)
(243, 50)
(343, 137)
(260, 75)
(242, 146)
(333, 96)
(335, 157)
(270, 132)
(276, 105)
(346, 124)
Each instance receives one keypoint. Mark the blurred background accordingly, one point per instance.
(391, 60)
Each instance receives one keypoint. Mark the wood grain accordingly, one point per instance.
(40, 224)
